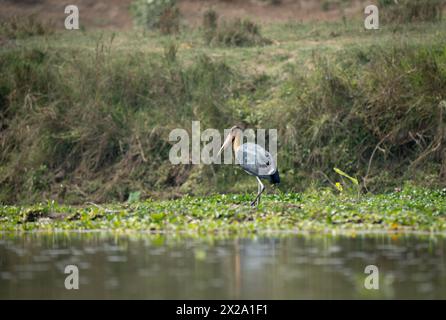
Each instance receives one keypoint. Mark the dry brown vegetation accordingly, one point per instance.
(115, 13)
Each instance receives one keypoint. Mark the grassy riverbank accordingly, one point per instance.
(85, 115)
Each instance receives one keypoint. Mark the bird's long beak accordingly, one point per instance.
(227, 142)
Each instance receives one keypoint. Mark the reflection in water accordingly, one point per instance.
(157, 267)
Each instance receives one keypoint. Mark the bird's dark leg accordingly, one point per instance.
(261, 188)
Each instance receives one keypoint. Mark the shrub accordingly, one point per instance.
(382, 115)
(406, 11)
(103, 130)
(210, 24)
(23, 27)
(169, 21)
(234, 33)
(273, 2)
(156, 14)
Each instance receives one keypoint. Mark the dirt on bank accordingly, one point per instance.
(115, 13)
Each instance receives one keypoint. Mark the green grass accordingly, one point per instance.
(323, 211)
(85, 115)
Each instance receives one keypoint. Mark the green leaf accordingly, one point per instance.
(134, 197)
(342, 173)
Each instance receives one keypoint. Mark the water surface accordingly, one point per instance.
(141, 265)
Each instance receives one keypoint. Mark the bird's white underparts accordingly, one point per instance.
(198, 146)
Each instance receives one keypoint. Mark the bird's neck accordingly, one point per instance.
(237, 140)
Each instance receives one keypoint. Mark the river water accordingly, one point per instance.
(145, 266)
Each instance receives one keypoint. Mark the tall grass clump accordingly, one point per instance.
(98, 128)
(233, 33)
(24, 27)
(378, 114)
(406, 11)
(273, 2)
(162, 15)
(327, 5)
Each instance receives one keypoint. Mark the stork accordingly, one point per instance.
(254, 159)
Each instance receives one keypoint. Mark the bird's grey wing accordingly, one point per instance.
(255, 160)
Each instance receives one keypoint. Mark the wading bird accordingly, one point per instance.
(253, 159)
